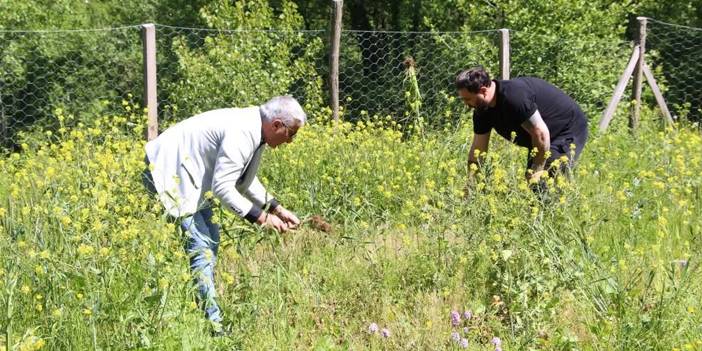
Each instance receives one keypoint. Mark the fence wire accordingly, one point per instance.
(75, 72)
(401, 74)
(375, 77)
(673, 52)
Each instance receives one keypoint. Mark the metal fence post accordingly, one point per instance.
(504, 54)
(337, 11)
(638, 75)
(149, 44)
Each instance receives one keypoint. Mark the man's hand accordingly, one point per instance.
(534, 177)
(272, 221)
(288, 217)
(469, 187)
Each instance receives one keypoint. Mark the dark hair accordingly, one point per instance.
(472, 79)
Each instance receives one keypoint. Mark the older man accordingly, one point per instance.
(527, 111)
(218, 152)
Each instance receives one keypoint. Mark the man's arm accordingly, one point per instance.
(258, 194)
(477, 148)
(229, 167)
(541, 140)
(480, 144)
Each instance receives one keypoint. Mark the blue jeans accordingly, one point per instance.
(201, 245)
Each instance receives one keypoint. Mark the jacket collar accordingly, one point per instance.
(261, 138)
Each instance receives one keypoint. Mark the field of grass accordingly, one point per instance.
(609, 261)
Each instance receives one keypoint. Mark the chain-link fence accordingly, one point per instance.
(673, 52)
(586, 68)
(401, 74)
(76, 72)
(376, 71)
(85, 72)
(202, 69)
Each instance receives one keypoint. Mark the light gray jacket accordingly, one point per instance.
(218, 150)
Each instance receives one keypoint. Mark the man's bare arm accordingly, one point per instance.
(540, 139)
(480, 144)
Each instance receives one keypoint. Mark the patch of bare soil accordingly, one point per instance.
(317, 222)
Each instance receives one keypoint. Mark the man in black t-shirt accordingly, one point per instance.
(529, 112)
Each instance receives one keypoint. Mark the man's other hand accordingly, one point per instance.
(535, 177)
(272, 221)
(288, 217)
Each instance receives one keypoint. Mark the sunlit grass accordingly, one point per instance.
(89, 261)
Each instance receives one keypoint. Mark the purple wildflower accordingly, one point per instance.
(464, 343)
(466, 330)
(498, 348)
(497, 342)
(373, 328)
(455, 336)
(468, 314)
(455, 318)
(385, 332)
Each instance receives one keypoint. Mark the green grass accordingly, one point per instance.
(89, 261)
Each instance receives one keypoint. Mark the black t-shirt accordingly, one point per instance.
(518, 99)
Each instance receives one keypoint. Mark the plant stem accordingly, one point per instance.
(8, 313)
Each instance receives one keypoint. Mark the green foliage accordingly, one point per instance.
(577, 45)
(42, 69)
(261, 56)
(90, 263)
(45, 71)
(686, 12)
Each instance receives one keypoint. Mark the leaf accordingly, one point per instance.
(506, 254)
(153, 299)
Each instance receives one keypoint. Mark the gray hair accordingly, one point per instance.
(286, 108)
